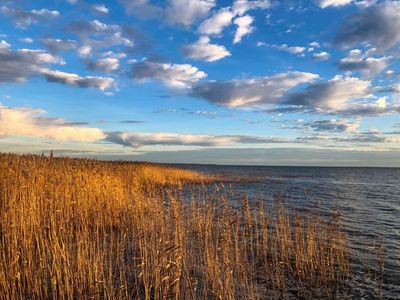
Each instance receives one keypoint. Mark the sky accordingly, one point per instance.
(259, 82)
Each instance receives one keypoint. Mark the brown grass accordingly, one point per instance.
(84, 229)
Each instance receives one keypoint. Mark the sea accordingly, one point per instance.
(368, 200)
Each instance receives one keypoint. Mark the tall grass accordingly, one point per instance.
(84, 229)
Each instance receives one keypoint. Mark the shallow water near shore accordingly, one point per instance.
(368, 200)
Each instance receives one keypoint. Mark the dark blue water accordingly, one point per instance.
(367, 198)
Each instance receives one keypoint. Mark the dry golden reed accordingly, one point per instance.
(85, 229)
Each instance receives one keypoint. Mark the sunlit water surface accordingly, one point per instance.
(367, 198)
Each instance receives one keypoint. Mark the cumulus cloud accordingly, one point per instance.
(58, 45)
(187, 12)
(96, 36)
(100, 8)
(174, 75)
(175, 12)
(289, 49)
(143, 9)
(85, 29)
(101, 83)
(334, 94)
(203, 50)
(217, 22)
(23, 19)
(107, 64)
(16, 66)
(137, 140)
(85, 51)
(243, 27)
(356, 61)
(256, 92)
(377, 25)
(240, 7)
(4, 45)
(334, 3)
(315, 44)
(321, 56)
(29, 122)
(341, 95)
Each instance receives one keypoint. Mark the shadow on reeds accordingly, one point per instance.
(78, 229)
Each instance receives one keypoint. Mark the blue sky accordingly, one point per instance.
(262, 81)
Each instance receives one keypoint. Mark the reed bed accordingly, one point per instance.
(85, 229)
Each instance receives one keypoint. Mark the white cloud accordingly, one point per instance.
(17, 66)
(100, 8)
(84, 29)
(390, 73)
(118, 55)
(339, 3)
(174, 75)
(26, 40)
(173, 12)
(142, 8)
(366, 3)
(96, 36)
(381, 102)
(4, 45)
(101, 83)
(321, 55)
(334, 94)
(261, 44)
(187, 12)
(243, 27)
(45, 13)
(357, 61)
(289, 49)
(223, 18)
(58, 45)
(107, 64)
(29, 122)
(40, 56)
(203, 50)
(216, 23)
(240, 7)
(315, 44)
(23, 19)
(334, 3)
(256, 92)
(85, 51)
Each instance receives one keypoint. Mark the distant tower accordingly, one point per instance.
(51, 153)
